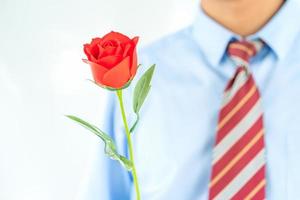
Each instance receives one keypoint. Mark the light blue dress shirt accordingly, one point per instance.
(174, 140)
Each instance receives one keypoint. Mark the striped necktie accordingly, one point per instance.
(238, 166)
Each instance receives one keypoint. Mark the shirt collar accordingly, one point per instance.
(211, 37)
(279, 33)
(283, 28)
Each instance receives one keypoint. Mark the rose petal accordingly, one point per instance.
(101, 51)
(126, 49)
(116, 36)
(94, 51)
(134, 63)
(118, 76)
(112, 43)
(119, 50)
(90, 55)
(135, 40)
(96, 41)
(133, 54)
(98, 71)
(86, 49)
(107, 51)
(110, 61)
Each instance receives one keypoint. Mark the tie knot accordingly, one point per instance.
(241, 51)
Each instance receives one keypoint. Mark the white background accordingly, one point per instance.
(43, 155)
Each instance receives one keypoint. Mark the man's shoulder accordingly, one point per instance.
(167, 44)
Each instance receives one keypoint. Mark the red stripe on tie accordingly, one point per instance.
(240, 54)
(250, 185)
(238, 146)
(261, 194)
(236, 169)
(237, 117)
(249, 46)
(237, 97)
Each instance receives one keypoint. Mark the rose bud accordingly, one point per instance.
(113, 59)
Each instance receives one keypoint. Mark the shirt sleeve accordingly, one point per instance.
(105, 179)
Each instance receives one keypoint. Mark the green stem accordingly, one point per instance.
(134, 174)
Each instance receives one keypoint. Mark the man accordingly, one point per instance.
(221, 121)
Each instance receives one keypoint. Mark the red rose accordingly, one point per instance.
(113, 59)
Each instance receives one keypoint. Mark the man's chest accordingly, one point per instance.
(175, 140)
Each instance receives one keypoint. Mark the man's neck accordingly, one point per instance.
(243, 17)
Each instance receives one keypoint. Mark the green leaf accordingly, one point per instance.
(110, 148)
(141, 89)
